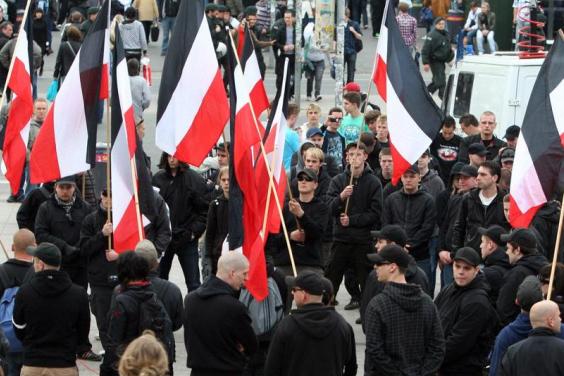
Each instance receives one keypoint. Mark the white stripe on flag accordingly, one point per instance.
(198, 73)
(122, 186)
(526, 188)
(252, 71)
(556, 100)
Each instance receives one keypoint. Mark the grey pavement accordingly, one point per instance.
(8, 212)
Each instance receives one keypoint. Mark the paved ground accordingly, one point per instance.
(8, 211)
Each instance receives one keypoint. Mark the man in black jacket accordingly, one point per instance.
(469, 320)
(486, 137)
(414, 210)
(51, 316)
(403, 330)
(525, 261)
(100, 263)
(158, 231)
(313, 339)
(496, 262)
(435, 53)
(285, 43)
(59, 221)
(306, 219)
(356, 210)
(217, 328)
(186, 195)
(482, 207)
(541, 353)
(27, 212)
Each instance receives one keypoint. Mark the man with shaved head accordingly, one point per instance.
(541, 353)
(13, 273)
(217, 328)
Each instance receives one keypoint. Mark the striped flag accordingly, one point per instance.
(413, 116)
(21, 107)
(253, 78)
(66, 143)
(540, 149)
(126, 218)
(192, 108)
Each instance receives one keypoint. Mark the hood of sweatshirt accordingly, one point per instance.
(51, 282)
(498, 257)
(532, 262)
(407, 296)
(317, 320)
(214, 287)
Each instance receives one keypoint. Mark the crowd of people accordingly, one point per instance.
(446, 217)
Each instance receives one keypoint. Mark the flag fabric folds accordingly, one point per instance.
(245, 216)
(253, 78)
(126, 218)
(21, 107)
(66, 143)
(192, 109)
(540, 148)
(413, 116)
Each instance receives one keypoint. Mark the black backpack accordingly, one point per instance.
(153, 316)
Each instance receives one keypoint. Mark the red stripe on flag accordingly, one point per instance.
(258, 98)
(21, 111)
(129, 123)
(44, 163)
(400, 164)
(104, 83)
(380, 77)
(126, 234)
(519, 219)
(257, 279)
(207, 125)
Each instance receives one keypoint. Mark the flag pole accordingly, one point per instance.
(269, 171)
(108, 168)
(22, 25)
(136, 196)
(291, 198)
(4, 249)
(556, 246)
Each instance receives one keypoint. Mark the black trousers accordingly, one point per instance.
(348, 256)
(377, 10)
(280, 71)
(100, 299)
(439, 78)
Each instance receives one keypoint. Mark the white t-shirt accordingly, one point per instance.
(486, 201)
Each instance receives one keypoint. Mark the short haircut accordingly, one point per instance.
(506, 198)
(404, 7)
(371, 116)
(353, 97)
(73, 34)
(353, 145)
(505, 176)
(383, 118)
(132, 267)
(492, 167)
(131, 13)
(291, 11)
(314, 107)
(488, 113)
(468, 119)
(133, 67)
(449, 122)
(222, 171)
(385, 152)
(335, 109)
(315, 152)
(40, 99)
(146, 249)
(232, 261)
(474, 4)
(5, 24)
(367, 138)
(293, 109)
(524, 250)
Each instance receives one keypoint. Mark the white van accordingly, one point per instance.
(500, 82)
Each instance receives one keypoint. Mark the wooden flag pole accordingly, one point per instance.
(556, 246)
(136, 196)
(84, 185)
(4, 249)
(291, 198)
(269, 171)
(108, 168)
(358, 141)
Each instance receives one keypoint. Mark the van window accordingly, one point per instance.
(445, 105)
(463, 93)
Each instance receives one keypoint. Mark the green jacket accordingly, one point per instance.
(437, 48)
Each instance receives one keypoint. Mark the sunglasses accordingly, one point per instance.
(334, 119)
(304, 178)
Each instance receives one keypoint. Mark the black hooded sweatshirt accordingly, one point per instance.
(313, 340)
(403, 333)
(524, 267)
(496, 266)
(469, 323)
(216, 326)
(51, 318)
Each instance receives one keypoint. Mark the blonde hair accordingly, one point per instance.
(144, 356)
(315, 152)
(222, 171)
(314, 107)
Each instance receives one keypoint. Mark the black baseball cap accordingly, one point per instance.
(66, 180)
(477, 148)
(313, 131)
(468, 170)
(309, 173)
(392, 233)
(508, 154)
(310, 282)
(512, 132)
(493, 232)
(390, 254)
(522, 237)
(49, 253)
(413, 168)
(529, 293)
(467, 255)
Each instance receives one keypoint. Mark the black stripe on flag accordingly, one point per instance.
(29, 31)
(407, 82)
(118, 56)
(539, 128)
(190, 17)
(248, 47)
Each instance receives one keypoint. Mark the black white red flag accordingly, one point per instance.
(66, 143)
(192, 108)
(540, 148)
(253, 78)
(413, 116)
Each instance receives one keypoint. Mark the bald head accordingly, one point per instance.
(22, 239)
(545, 314)
(232, 268)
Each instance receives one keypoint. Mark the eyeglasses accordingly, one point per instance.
(304, 178)
(334, 119)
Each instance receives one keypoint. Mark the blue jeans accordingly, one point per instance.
(433, 245)
(447, 276)
(425, 265)
(167, 24)
(188, 258)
